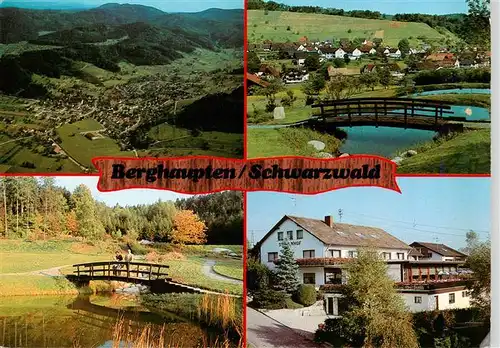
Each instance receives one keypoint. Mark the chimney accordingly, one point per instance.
(329, 220)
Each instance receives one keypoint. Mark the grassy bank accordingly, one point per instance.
(232, 269)
(463, 153)
(481, 100)
(287, 142)
(221, 312)
(189, 272)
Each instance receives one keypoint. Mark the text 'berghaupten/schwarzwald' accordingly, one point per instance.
(255, 171)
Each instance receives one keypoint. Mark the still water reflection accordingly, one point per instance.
(97, 321)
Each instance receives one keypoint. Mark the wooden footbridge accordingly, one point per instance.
(387, 112)
(153, 275)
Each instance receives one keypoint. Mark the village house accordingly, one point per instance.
(300, 58)
(296, 76)
(366, 49)
(268, 71)
(322, 247)
(254, 80)
(327, 52)
(340, 53)
(434, 251)
(393, 53)
(355, 54)
(444, 60)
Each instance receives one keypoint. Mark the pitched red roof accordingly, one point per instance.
(258, 81)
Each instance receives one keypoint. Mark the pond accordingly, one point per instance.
(382, 141)
(387, 142)
(455, 91)
(96, 321)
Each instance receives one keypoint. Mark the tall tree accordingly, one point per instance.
(479, 261)
(404, 47)
(287, 270)
(188, 228)
(85, 210)
(376, 313)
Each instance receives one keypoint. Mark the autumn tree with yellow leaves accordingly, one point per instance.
(188, 228)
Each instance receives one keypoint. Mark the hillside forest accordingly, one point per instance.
(118, 80)
(38, 209)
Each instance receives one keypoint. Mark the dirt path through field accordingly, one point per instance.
(208, 270)
(48, 272)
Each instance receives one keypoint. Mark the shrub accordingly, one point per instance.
(258, 276)
(332, 331)
(305, 295)
(269, 299)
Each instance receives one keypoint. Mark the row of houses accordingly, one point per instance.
(429, 276)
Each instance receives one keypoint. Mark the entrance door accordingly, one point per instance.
(329, 307)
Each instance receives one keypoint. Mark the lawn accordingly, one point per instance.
(35, 285)
(466, 153)
(82, 149)
(282, 26)
(230, 268)
(287, 142)
(481, 100)
(174, 141)
(189, 272)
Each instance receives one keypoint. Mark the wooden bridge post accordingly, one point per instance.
(334, 109)
(437, 114)
(406, 115)
(78, 271)
(385, 107)
(150, 271)
(413, 107)
(91, 271)
(349, 114)
(359, 107)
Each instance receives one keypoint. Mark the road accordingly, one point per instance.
(264, 332)
(13, 140)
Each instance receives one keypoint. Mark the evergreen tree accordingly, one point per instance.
(287, 270)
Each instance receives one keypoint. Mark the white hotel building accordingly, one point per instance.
(321, 248)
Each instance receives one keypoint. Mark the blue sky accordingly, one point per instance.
(125, 197)
(389, 6)
(429, 209)
(164, 5)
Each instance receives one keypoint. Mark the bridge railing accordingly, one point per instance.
(123, 269)
(375, 107)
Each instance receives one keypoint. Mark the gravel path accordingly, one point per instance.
(208, 270)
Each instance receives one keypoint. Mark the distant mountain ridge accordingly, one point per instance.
(44, 5)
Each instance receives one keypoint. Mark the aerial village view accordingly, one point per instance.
(388, 270)
(136, 268)
(406, 82)
(81, 79)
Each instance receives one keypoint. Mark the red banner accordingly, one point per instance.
(203, 174)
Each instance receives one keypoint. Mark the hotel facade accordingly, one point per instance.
(425, 278)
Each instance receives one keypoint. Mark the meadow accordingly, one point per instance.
(22, 262)
(290, 26)
(83, 149)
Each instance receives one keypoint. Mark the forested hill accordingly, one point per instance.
(24, 24)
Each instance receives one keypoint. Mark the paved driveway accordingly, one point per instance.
(264, 332)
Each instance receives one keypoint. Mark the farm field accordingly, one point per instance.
(83, 149)
(274, 26)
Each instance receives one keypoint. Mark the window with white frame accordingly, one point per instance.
(401, 256)
(386, 256)
(418, 299)
(309, 278)
(352, 253)
(271, 257)
(334, 253)
(308, 254)
(451, 298)
(280, 235)
(300, 234)
(289, 235)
